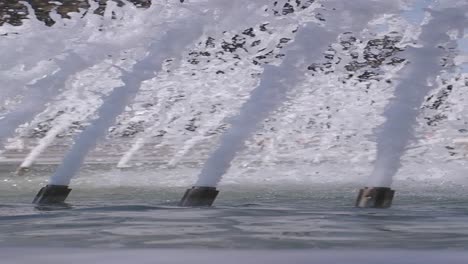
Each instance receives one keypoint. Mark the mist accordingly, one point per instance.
(170, 43)
(413, 86)
(311, 40)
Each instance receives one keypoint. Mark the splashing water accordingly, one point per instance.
(189, 144)
(248, 59)
(226, 14)
(40, 92)
(171, 43)
(413, 86)
(140, 141)
(77, 47)
(43, 144)
(273, 88)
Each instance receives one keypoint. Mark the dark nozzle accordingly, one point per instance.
(22, 171)
(199, 196)
(52, 194)
(375, 197)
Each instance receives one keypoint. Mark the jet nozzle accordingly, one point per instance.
(199, 196)
(52, 194)
(375, 197)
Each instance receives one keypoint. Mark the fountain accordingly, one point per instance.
(252, 58)
(174, 39)
(414, 85)
(272, 91)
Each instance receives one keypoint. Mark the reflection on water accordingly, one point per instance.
(14, 11)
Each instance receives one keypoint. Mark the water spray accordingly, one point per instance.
(42, 90)
(214, 122)
(272, 91)
(199, 196)
(401, 113)
(52, 194)
(228, 9)
(169, 43)
(141, 140)
(43, 144)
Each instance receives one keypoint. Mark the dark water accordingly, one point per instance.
(261, 217)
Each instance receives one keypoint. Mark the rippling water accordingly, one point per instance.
(269, 216)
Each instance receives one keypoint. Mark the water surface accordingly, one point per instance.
(268, 216)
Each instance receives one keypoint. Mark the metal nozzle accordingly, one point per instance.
(52, 194)
(22, 171)
(375, 197)
(199, 196)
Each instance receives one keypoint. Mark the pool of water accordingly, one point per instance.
(36, 255)
(262, 216)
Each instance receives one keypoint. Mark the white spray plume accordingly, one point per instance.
(311, 40)
(424, 65)
(171, 44)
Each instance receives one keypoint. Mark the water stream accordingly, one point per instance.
(286, 106)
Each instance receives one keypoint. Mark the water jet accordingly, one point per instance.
(414, 86)
(199, 196)
(375, 197)
(52, 194)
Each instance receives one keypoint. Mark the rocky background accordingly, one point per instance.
(333, 112)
